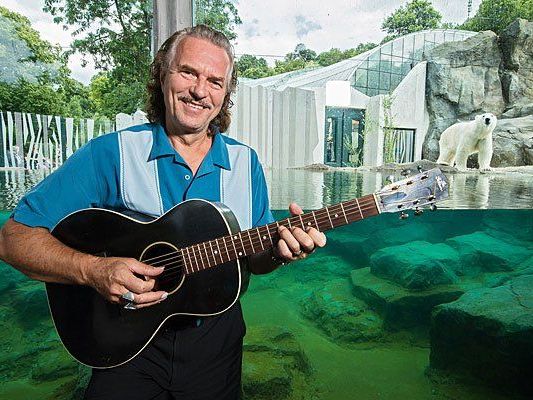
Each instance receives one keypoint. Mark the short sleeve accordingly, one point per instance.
(261, 214)
(72, 187)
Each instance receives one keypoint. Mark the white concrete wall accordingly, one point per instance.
(408, 107)
(373, 143)
(284, 127)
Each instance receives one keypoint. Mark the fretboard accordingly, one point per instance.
(256, 240)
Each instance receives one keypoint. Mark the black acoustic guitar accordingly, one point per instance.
(204, 254)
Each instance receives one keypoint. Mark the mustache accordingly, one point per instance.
(188, 99)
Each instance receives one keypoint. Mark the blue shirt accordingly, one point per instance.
(138, 169)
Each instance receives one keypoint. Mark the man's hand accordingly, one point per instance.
(296, 243)
(113, 277)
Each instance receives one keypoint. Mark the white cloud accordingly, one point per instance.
(274, 27)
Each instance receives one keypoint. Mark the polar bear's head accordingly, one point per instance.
(487, 120)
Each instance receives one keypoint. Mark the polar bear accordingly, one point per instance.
(460, 140)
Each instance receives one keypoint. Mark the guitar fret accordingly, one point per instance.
(344, 213)
(219, 252)
(301, 221)
(359, 207)
(195, 259)
(237, 254)
(184, 261)
(269, 236)
(260, 239)
(226, 246)
(327, 211)
(289, 221)
(201, 257)
(251, 242)
(213, 252)
(316, 223)
(207, 256)
(242, 244)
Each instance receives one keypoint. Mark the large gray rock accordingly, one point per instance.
(275, 366)
(343, 317)
(513, 142)
(488, 334)
(416, 265)
(401, 308)
(481, 253)
(462, 80)
(516, 42)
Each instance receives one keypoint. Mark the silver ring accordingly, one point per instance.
(128, 296)
(130, 306)
(297, 253)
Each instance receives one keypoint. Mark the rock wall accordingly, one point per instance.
(484, 73)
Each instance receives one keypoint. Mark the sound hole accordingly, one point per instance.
(164, 255)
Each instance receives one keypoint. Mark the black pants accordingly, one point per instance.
(182, 362)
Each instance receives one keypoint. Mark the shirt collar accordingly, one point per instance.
(217, 155)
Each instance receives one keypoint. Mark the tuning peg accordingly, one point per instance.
(404, 215)
(418, 211)
(419, 168)
(390, 179)
(433, 207)
(405, 172)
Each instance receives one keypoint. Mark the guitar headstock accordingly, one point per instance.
(425, 188)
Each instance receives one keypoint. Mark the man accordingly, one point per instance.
(150, 168)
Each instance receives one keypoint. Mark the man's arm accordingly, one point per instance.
(39, 255)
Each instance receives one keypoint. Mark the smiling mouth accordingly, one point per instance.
(195, 106)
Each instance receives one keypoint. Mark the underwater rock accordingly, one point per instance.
(416, 265)
(399, 307)
(488, 334)
(52, 365)
(10, 278)
(274, 366)
(334, 309)
(516, 42)
(480, 252)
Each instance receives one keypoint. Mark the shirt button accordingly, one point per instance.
(187, 177)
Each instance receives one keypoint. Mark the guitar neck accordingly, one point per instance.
(208, 254)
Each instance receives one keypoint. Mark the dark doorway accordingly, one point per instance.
(343, 141)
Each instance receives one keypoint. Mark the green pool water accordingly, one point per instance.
(353, 321)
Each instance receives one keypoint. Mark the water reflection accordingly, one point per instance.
(316, 189)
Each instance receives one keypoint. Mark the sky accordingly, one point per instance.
(273, 27)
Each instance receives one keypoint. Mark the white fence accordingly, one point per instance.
(34, 141)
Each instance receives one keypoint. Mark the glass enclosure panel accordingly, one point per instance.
(373, 79)
(387, 48)
(360, 77)
(397, 47)
(439, 37)
(385, 65)
(384, 80)
(408, 43)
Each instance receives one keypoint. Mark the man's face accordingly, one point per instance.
(195, 85)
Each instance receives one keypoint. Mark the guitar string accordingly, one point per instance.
(204, 256)
(317, 216)
(178, 264)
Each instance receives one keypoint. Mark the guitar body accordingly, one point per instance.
(101, 334)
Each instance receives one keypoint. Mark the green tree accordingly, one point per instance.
(35, 77)
(335, 55)
(496, 15)
(415, 16)
(250, 66)
(117, 35)
(218, 14)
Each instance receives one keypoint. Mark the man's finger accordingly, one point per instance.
(284, 251)
(306, 242)
(150, 297)
(295, 209)
(289, 239)
(144, 269)
(318, 237)
(137, 285)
